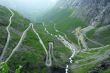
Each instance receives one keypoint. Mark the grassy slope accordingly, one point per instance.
(65, 23)
(32, 56)
(29, 52)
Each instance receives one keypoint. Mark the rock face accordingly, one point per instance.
(89, 9)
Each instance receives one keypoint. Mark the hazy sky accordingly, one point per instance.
(29, 6)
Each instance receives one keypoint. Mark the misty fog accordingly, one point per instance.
(29, 8)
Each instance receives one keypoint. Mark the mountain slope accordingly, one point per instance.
(67, 17)
(57, 27)
(27, 51)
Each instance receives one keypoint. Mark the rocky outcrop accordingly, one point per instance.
(89, 9)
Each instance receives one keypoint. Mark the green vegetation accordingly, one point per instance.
(4, 68)
(31, 55)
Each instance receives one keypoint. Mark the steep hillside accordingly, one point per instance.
(79, 39)
(88, 9)
(31, 55)
(26, 54)
(71, 14)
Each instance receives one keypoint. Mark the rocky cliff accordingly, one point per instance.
(89, 10)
